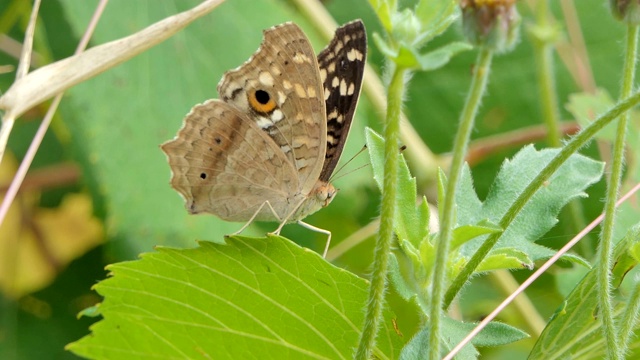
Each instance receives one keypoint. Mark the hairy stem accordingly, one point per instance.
(606, 236)
(382, 251)
(478, 86)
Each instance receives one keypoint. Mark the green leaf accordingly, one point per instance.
(540, 214)
(465, 233)
(505, 258)
(587, 106)
(575, 331)
(385, 48)
(263, 296)
(384, 10)
(407, 58)
(436, 16)
(453, 331)
(440, 57)
(411, 222)
(402, 267)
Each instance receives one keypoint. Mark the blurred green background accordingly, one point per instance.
(104, 141)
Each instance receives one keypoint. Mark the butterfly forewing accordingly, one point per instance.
(279, 88)
(341, 66)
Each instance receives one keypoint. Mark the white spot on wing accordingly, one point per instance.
(275, 70)
(335, 82)
(354, 54)
(281, 98)
(343, 88)
(323, 75)
(300, 58)
(351, 89)
(263, 122)
(265, 78)
(276, 116)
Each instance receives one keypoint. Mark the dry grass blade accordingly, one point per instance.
(52, 79)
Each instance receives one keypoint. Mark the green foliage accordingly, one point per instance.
(575, 329)
(250, 296)
(407, 31)
(174, 301)
(540, 214)
(476, 219)
(495, 334)
(411, 269)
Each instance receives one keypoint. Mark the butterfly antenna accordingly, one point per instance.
(335, 173)
(333, 177)
(347, 173)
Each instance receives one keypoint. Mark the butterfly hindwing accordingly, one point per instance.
(226, 165)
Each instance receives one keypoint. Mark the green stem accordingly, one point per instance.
(543, 51)
(478, 86)
(385, 235)
(543, 39)
(606, 237)
(571, 147)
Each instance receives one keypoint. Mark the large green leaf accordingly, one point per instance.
(575, 329)
(263, 296)
(540, 213)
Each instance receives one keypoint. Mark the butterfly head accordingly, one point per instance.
(321, 196)
(324, 193)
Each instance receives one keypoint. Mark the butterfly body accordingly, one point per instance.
(266, 150)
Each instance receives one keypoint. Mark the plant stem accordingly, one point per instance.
(477, 89)
(606, 236)
(543, 39)
(571, 147)
(382, 251)
(546, 85)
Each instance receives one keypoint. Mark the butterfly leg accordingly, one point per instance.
(320, 230)
(254, 216)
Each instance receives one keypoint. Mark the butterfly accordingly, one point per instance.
(266, 150)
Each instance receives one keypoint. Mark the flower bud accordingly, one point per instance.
(406, 27)
(490, 23)
(626, 10)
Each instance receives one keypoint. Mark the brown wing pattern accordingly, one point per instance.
(224, 164)
(279, 88)
(341, 70)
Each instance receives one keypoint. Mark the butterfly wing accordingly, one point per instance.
(341, 70)
(223, 163)
(280, 89)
